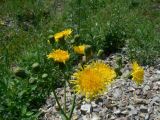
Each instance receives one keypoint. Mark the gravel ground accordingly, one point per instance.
(123, 101)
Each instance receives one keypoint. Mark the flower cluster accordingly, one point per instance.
(92, 79)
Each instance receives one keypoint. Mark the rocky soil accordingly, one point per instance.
(123, 101)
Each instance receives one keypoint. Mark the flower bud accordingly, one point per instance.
(35, 67)
(44, 75)
(100, 53)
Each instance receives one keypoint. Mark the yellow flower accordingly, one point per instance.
(137, 73)
(92, 80)
(59, 55)
(104, 69)
(62, 34)
(67, 32)
(79, 49)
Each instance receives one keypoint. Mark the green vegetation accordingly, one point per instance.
(103, 24)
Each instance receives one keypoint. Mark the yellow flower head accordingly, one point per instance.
(137, 73)
(62, 34)
(67, 32)
(92, 80)
(59, 55)
(79, 49)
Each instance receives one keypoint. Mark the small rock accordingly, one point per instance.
(147, 117)
(105, 102)
(93, 104)
(126, 74)
(146, 88)
(123, 118)
(157, 118)
(131, 89)
(85, 117)
(130, 107)
(133, 112)
(86, 108)
(155, 100)
(102, 112)
(112, 118)
(95, 117)
(141, 101)
(74, 117)
(143, 109)
(117, 111)
(158, 82)
(99, 100)
(96, 109)
(158, 71)
(150, 94)
(125, 112)
(111, 105)
(155, 86)
(142, 115)
(117, 93)
(138, 92)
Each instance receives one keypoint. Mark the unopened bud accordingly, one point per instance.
(100, 53)
(44, 75)
(36, 67)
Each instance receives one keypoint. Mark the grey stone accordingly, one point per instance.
(95, 117)
(154, 100)
(141, 101)
(99, 100)
(86, 108)
(146, 88)
(130, 107)
(125, 74)
(158, 71)
(75, 117)
(117, 111)
(102, 112)
(97, 109)
(125, 112)
(155, 86)
(133, 112)
(158, 117)
(123, 118)
(117, 93)
(112, 118)
(93, 104)
(105, 102)
(147, 117)
(143, 109)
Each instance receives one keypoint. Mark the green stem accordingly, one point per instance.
(55, 95)
(65, 96)
(73, 106)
